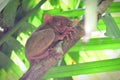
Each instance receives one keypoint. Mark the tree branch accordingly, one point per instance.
(38, 69)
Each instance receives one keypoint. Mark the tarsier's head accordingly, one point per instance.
(60, 23)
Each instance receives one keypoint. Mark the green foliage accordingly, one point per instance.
(23, 16)
(84, 68)
(112, 29)
(9, 67)
(3, 3)
(114, 7)
(9, 12)
(4, 60)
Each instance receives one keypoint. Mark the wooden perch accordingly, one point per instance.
(38, 69)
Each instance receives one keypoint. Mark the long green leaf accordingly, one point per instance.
(114, 7)
(84, 68)
(3, 3)
(14, 44)
(9, 12)
(10, 67)
(97, 44)
(4, 60)
(16, 27)
(27, 5)
(70, 13)
(112, 29)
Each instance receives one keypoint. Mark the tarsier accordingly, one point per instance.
(55, 28)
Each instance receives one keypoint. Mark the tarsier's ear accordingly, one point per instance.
(74, 22)
(47, 18)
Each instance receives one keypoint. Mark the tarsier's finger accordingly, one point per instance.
(70, 35)
(71, 30)
(67, 36)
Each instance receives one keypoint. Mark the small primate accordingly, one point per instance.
(55, 28)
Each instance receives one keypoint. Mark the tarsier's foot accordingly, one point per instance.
(40, 57)
(44, 55)
(47, 53)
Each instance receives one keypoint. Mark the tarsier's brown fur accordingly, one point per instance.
(40, 43)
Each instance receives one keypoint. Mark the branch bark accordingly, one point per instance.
(38, 69)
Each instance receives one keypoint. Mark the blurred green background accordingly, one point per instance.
(97, 59)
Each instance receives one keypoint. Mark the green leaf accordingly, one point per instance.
(14, 44)
(8, 75)
(66, 78)
(114, 7)
(96, 44)
(84, 68)
(70, 13)
(16, 27)
(4, 60)
(9, 12)
(10, 67)
(3, 3)
(54, 3)
(81, 4)
(112, 29)
(29, 4)
(36, 19)
(72, 4)
(75, 55)
(26, 29)
(68, 4)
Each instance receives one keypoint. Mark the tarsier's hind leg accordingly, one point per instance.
(40, 56)
(47, 53)
(38, 43)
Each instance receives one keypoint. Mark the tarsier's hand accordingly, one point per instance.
(68, 33)
(69, 30)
